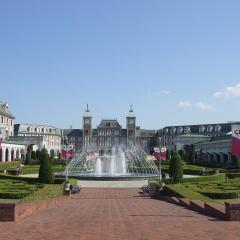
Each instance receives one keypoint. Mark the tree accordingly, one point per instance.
(28, 159)
(176, 168)
(52, 154)
(33, 155)
(181, 153)
(38, 152)
(236, 161)
(167, 155)
(46, 171)
(192, 155)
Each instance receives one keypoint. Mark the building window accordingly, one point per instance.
(187, 130)
(218, 128)
(202, 129)
(180, 130)
(2, 119)
(209, 128)
(166, 130)
(173, 130)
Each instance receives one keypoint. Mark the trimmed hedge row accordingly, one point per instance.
(29, 179)
(217, 177)
(179, 190)
(222, 195)
(233, 175)
(14, 195)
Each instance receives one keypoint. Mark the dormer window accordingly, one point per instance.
(218, 128)
(180, 130)
(173, 130)
(209, 128)
(166, 130)
(187, 130)
(201, 129)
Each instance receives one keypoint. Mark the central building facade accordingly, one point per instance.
(109, 133)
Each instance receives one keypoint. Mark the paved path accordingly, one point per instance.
(113, 184)
(118, 214)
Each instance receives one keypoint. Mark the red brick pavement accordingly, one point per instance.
(118, 214)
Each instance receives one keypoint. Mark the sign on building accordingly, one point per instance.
(236, 140)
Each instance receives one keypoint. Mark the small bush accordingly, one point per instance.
(46, 174)
(28, 159)
(176, 168)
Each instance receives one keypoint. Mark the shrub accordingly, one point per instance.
(233, 175)
(176, 168)
(38, 152)
(28, 159)
(236, 162)
(33, 155)
(45, 171)
(52, 154)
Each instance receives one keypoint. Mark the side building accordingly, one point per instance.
(42, 136)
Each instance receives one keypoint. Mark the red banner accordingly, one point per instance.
(160, 154)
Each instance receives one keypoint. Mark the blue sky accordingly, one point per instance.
(176, 61)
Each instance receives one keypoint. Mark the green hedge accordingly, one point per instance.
(216, 177)
(29, 179)
(179, 190)
(222, 195)
(232, 175)
(14, 195)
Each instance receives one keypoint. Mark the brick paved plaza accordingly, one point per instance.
(98, 213)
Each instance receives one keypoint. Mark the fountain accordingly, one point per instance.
(121, 164)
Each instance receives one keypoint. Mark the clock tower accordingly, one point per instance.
(87, 128)
(131, 128)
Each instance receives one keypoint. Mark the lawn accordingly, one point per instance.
(30, 169)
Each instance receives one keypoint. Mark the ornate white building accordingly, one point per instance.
(9, 150)
(42, 136)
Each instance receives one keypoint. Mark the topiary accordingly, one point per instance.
(176, 168)
(46, 174)
(28, 159)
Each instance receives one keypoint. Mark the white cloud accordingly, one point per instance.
(199, 105)
(184, 104)
(229, 91)
(158, 93)
(204, 106)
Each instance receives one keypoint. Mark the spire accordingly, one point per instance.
(87, 110)
(131, 113)
(131, 108)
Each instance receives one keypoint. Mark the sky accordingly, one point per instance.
(176, 61)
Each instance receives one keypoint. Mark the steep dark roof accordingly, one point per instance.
(4, 110)
(109, 123)
(72, 132)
